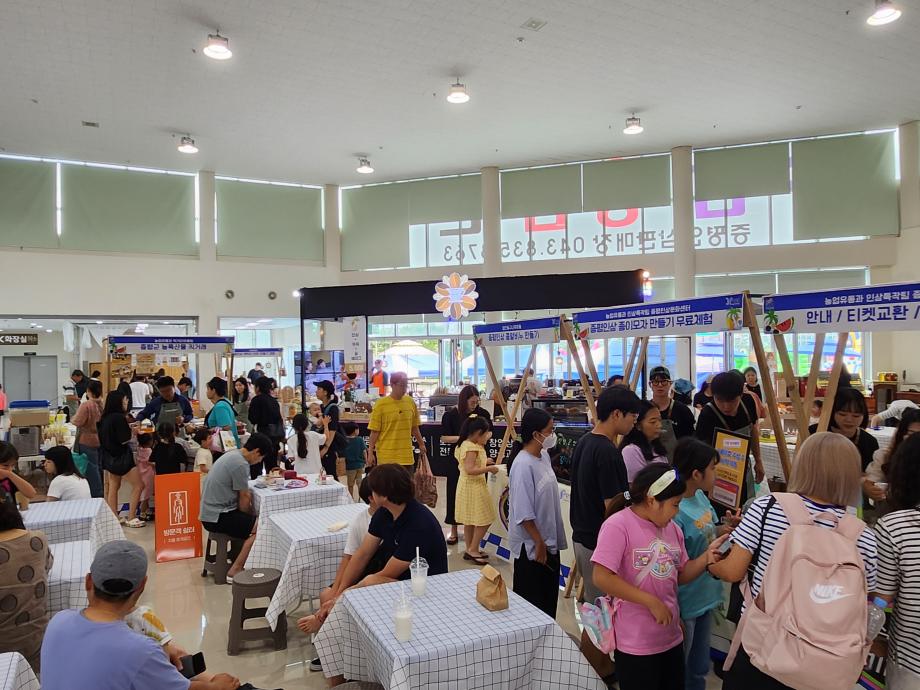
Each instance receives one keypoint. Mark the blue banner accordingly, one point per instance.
(532, 331)
(679, 317)
(869, 308)
(192, 344)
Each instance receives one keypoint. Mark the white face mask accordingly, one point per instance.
(549, 442)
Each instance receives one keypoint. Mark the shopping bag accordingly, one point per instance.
(426, 486)
(491, 591)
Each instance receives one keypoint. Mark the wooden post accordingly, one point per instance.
(630, 360)
(811, 383)
(633, 380)
(108, 367)
(750, 320)
(573, 575)
(834, 382)
(801, 416)
(589, 362)
(509, 430)
(589, 396)
(495, 386)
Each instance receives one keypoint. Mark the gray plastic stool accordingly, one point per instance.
(251, 584)
(226, 549)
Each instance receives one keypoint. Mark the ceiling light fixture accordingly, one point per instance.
(885, 13)
(187, 145)
(98, 322)
(218, 47)
(364, 166)
(296, 293)
(48, 330)
(633, 125)
(458, 93)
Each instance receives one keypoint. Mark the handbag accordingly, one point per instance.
(426, 486)
(118, 465)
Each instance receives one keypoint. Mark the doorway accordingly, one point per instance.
(31, 378)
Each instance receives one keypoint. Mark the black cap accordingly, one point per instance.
(659, 373)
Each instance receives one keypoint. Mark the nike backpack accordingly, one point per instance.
(807, 626)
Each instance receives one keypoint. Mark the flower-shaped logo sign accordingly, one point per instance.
(455, 296)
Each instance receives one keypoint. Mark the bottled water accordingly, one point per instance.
(876, 617)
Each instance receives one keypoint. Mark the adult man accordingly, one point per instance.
(94, 648)
(733, 411)
(167, 406)
(531, 389)
(226, 501)
(255, 373)
(184, 386)
(140, 392)
(598, 474)
(893, 412)
(380, 380)
(676, 418)
(80, 382)
(394, 422)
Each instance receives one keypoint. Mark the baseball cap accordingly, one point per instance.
(119, 567)
(659, 373)
(683, 386)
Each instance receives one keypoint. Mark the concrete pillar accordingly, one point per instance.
(332, 233)
(682, 208)
(491, 222)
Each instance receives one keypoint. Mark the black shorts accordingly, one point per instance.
(234, 523)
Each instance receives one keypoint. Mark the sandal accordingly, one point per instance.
(451, 541)
(135, 523)
(479, 560)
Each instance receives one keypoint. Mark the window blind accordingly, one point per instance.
(743, 171)
(375, 227)
(27, 199)
(541, 191)
(631, 183)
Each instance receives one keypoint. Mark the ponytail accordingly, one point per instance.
(642, 485)
(533, 420)
(300, 424)
(473, 424)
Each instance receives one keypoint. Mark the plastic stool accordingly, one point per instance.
(226, 549)
(251, 584)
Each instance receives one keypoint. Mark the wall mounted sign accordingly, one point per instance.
(18, 338)
(455, 296)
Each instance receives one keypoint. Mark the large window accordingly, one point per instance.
(457, 243)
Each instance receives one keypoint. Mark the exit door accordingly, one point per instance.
(31, 378)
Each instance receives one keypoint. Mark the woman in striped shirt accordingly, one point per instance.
(826, 474)
(898, 536)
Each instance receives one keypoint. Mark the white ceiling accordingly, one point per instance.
(313, 82)
(230, 323)
(24, 324)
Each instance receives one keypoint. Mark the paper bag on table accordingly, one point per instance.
(491, 591)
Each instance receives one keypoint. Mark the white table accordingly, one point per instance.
(299, 544)
(315, 495)
(15, 673)
(456, 643)
(67, 579)
(88, 519)
(769, 452)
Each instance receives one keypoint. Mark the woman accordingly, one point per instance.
(704, 395)
(325, 392)
(25, 561)
(86, 419)
(241, 402)
(535, 526)
(67, 484)
(826, 475)
(116, 458)
(642, 445)
(898, 569)
(467, 404)
(878, 471)
(750, 382)
(222, 416)
(265, 415)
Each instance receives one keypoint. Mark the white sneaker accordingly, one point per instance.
(135, 523)
(122, 519)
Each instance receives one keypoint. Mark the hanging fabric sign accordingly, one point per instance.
(531, 332)
(134, 344)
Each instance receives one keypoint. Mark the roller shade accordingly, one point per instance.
(741, 172)
(632, 183)
(269, 221)
(113, 210)
(445, 200)
(27, 204)
(541, 191)
(820, 280)
(375, 227)
(757, 284)
(844, 186)
(663, 289)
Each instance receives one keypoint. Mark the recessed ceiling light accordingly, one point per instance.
(165, 323)
(364, 166)
(633, 125)
(218, 47)
(458, 93)
(48, 330)
(187, 145)
(98, 322)
(885, 13)
(269, 320)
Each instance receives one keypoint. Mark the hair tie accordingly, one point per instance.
(662, 483)
(627, 496)
(472, 415)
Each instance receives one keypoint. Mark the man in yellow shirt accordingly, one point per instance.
(394, 422)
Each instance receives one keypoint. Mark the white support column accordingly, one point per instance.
(682, 207)
(331, 233)
(491, 222)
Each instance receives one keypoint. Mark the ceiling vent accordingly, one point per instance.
(533, 24)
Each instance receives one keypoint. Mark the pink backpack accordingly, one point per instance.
(807, 627)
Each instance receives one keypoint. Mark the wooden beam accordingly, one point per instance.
(834, 382)
(566, 329)
(811, 383)
(495, 385)
(589, 362)
(630, 360)
(517, 404)
(573, 576)
(633, 380)
(792, 384)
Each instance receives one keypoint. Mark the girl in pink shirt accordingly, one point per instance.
(640, 560)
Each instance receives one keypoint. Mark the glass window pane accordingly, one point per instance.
(381, 329)
(658, 229)
(615, 357)
(548, 234)
(418, 248)
(471, 242)
(444, 244)
(710, 355)
(585, 235)
(411, 329)
(622, 232)
(514, 240)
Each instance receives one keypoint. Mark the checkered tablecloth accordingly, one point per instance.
(15, 673)
(88, 519)
(300, 545)
(456, 643)
(66, 581)
(315, 495)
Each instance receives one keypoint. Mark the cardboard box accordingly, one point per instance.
(29, 416)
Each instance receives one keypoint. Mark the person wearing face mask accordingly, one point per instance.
(535, 526)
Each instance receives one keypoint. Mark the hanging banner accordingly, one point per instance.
(531, 332)
(194, 344)
(178, 531)
(355, 344)
(680, 317)
(258, 352)
(869, 308)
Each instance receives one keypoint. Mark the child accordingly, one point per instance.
(640, 559)
(696, 462)
(474, 509)
(10, 482)
(147, 472)
(355, 455)
(816, 407)
(167, 456)
(203, 457)
(310, 446)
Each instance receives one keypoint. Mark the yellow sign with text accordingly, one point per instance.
(730, 472)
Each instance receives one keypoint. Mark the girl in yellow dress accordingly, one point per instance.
(474, 509)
